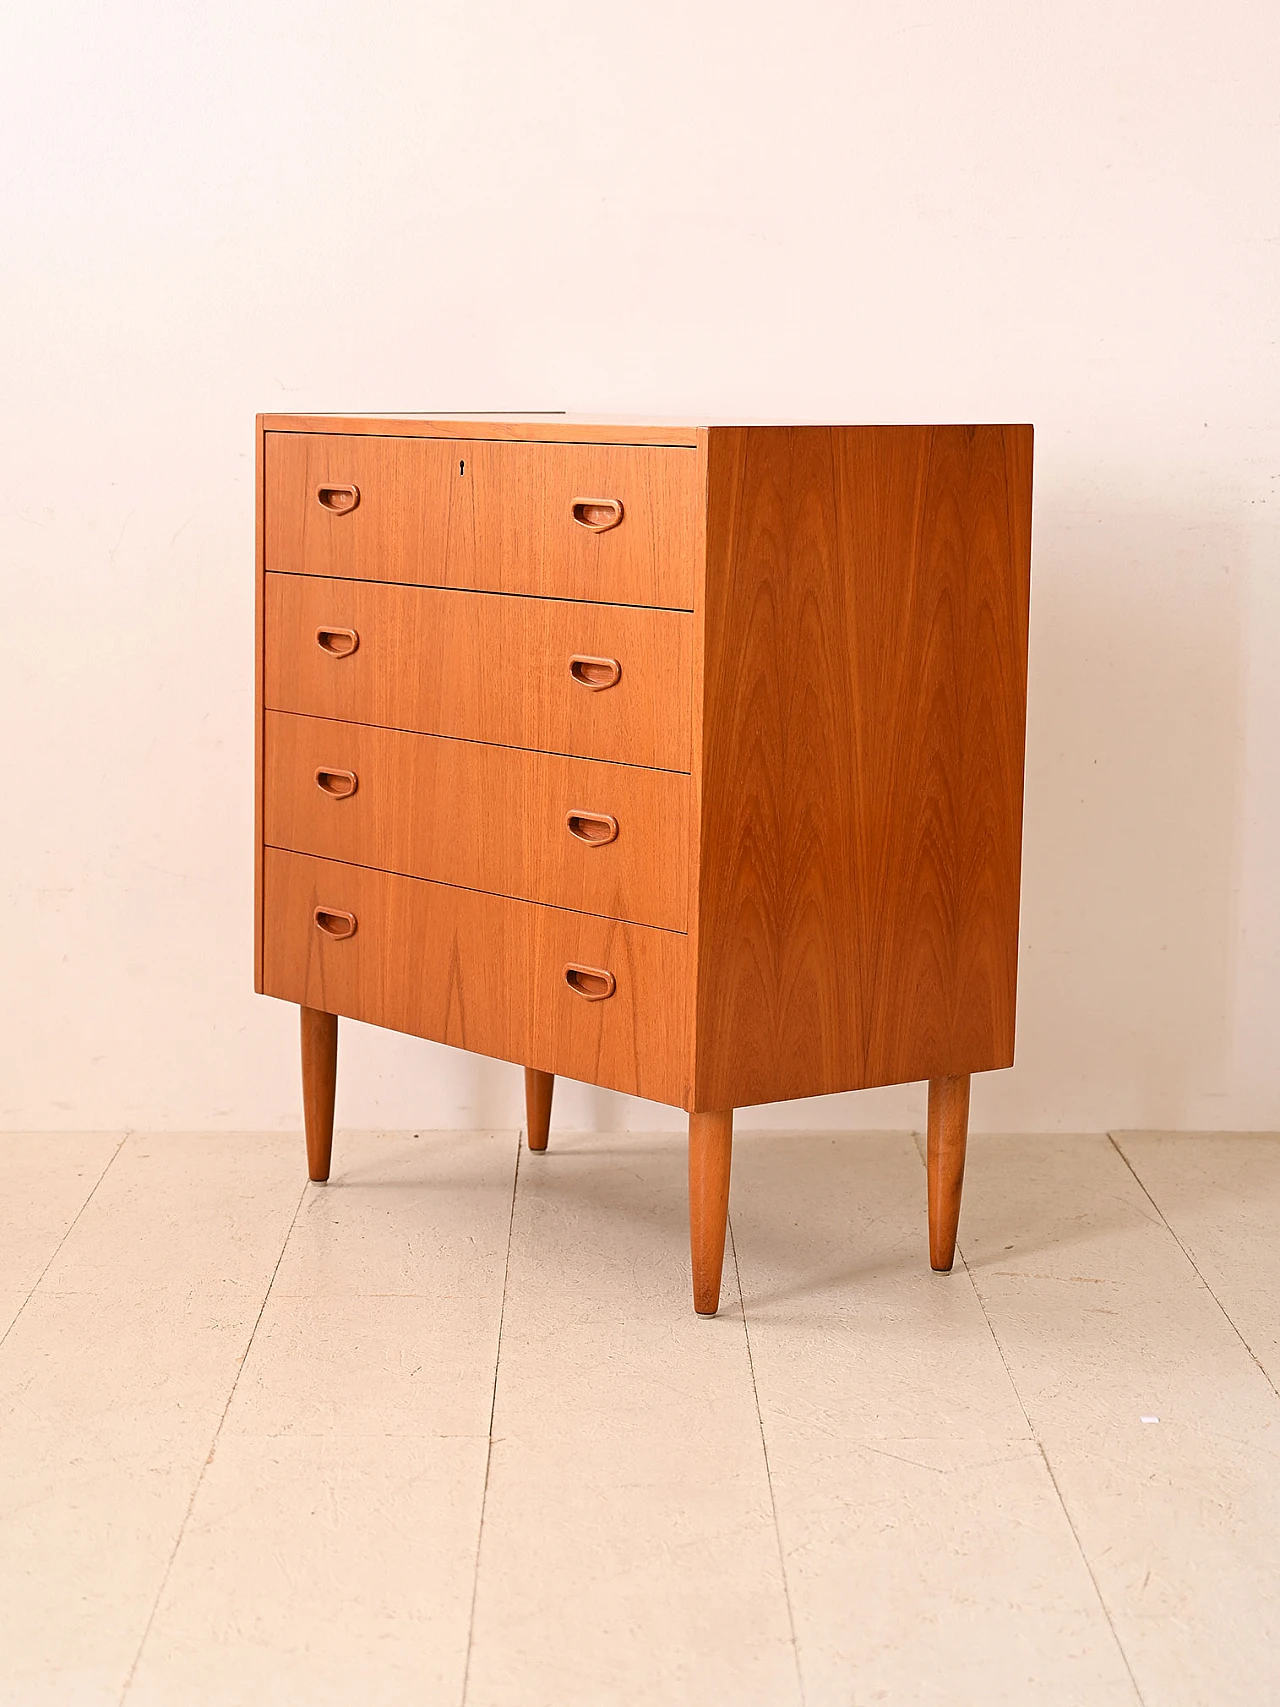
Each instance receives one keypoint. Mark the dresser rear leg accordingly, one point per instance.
(948, 1134)
(710, 1151)
(319, 1079)
(538, 1088)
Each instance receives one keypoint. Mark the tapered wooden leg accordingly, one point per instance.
(948, 1135)
(710, 1152)
(319, 1080)
(538, 1088)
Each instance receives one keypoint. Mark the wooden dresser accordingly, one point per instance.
(684, 760)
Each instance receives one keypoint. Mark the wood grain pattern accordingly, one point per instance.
(947, 1141)
(484, 668)
(483, 973)
(710, 1158)
(483, 816)
(319, 1085)
(864, 680)
(495, 517)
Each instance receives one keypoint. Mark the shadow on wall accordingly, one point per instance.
(1130, 863)
(1133, 787)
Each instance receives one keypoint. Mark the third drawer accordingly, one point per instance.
(599, 838)
(600, 681)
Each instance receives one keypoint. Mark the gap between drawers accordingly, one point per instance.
(475, 741)
(471, 889)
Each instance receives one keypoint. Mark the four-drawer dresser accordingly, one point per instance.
(683, 760)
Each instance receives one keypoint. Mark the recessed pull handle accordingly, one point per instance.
(593, 828)
(339, 785)
(338, 500)
(337, 642)
(335, 923)
(597, 515)
(591, 982)
(595, 673)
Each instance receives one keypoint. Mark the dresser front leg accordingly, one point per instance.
(948, 1135)
(710, 1152)
(538, 1089)
(319, 1079)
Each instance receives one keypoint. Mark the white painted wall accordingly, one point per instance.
(873, 212)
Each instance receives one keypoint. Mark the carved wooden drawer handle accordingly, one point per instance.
(593, 828)
(597, 515)
(338, 500)
(339, 785)
(335, 923)
(595, 673)
(337, 642)
(590, 981)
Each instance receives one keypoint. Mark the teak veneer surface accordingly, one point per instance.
(486, 516)
(484, 667)
(482, 816)
(483, 973)
(865, 635)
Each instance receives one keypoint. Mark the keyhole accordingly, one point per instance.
(462, 467)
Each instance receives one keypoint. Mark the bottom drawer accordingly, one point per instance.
(482, 972)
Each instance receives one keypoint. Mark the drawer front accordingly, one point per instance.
(509, 518)
(481, 972)
(483, 668)
(600, 838)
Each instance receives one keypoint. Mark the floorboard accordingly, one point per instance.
(447, 1431)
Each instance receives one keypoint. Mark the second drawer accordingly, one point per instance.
(596, 837)
(597, 681)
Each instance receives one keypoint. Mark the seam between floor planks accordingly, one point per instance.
(213, 1446)
(768, 1473)
(1168, 1226)
(70, 1228)
(493, 1404)
(1163, 1223)
(1049, 1471)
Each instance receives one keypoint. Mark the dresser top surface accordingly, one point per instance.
(552, 426)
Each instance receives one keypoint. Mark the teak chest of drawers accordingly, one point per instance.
(682, 760)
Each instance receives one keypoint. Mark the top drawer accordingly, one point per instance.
(614, 523)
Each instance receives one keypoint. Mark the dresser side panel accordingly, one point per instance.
(697, 667)
(861, 763)
(259, 631)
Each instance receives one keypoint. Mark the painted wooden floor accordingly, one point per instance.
(446, 1431)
